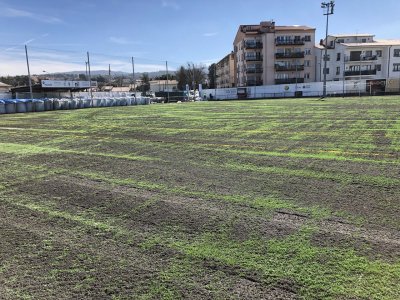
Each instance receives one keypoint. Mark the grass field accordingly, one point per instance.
(274, 199)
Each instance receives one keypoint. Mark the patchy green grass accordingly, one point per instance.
(210, 200)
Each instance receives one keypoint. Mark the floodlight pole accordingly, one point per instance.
(166, 67)
(29, 72)
(90, 77)
(133, 76)
(329, 11)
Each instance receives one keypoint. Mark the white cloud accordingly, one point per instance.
(122, 41)
(10, 12)
(170, 4)
(210, 34)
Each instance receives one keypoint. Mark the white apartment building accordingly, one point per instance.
(225, 71)
(266, 54)
(360, 56)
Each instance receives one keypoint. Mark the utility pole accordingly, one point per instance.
(166, 67)
(109, 72)
(329, 11)
(90, 77)
(86, 70)
(133, 76)
(29, 72)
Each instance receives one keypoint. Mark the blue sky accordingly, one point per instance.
(59, 33)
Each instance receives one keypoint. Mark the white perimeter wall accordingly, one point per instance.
(312, 89)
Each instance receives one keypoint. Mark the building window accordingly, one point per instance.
(396, 67)
(307, 75)
(379, 53)
(326, 71)
(327, 57)
(307, 63)
(340, 40)
(396, 52)
(378, 68)
(338, 56)
(307, 38)
(363, 40)
(337, 70)
(307, 51)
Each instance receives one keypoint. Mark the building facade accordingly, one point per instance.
(266, 54)
(360, 56)
(225, 72)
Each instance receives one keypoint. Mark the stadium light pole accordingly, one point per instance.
(329, 6)
(29, 72)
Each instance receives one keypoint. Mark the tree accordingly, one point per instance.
(82, 77)
(192, 74)
(145, 82)
(164, 77)
(212, 80)
(181, 78)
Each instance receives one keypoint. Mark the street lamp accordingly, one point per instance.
(329, 11)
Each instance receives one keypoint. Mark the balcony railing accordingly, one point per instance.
(289, 42)
(289, 68)
(253, 45)
(253, 58)
(254, 82)
(289, 55)
(255, 70)
(358, 73)
(289, 80)
(362, 58)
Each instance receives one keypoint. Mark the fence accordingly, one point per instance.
(312, 89)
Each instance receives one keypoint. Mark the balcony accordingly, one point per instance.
(358, 73)
(289, 55)
(257, 45)
(279, 68)
(362, 58)
(289, 80)
(254, 82)
(253, 58)
(254, 70)
(289, 42)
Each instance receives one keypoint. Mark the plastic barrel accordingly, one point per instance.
(21, 106)
(2, 107)
(38, 105)
(48, 104)
(57, 104)
(124, 102)
(87, 103)
(29, 105)
(110, 102)
(11, 106)
(96, 102)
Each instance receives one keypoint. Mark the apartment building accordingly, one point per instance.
(266, 54)
(225, 71)
(360, 56)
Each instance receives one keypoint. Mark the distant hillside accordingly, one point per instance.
(113, 74)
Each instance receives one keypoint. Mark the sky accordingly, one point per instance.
(58, 34)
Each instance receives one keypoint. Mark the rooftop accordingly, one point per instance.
(352, 35)
(374, 44)
(293, 28)
(4, 85)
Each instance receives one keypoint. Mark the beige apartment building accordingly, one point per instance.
(266, 54)
(225, 71)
